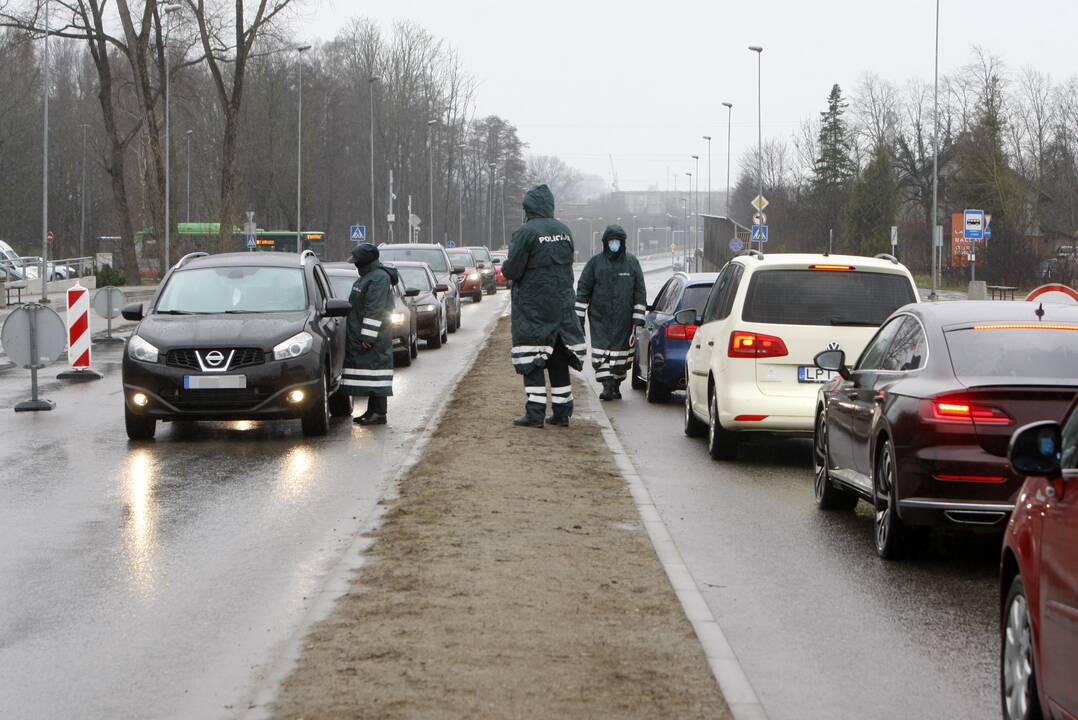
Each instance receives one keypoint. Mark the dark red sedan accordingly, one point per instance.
(1039, 577)
(920, 425)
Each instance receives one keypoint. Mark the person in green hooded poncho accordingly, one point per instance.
(611, 294)
(546, 336)
(368, 357)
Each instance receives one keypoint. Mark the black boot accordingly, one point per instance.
(376, 413)
(529, 421)
(559, 421)
(615, 389)
(608, 390)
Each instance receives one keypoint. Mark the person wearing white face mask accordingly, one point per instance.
(612, 296)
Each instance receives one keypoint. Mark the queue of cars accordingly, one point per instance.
(959, 413)
(261, 336)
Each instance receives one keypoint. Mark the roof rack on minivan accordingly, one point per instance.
(191, 256)
(885, 256)
(750, 252)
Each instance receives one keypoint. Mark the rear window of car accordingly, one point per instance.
(462, 258)
(818, 297)
(1008, 352)
(433, 257)
(342, 284)
(415, 278)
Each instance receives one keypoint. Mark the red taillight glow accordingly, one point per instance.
(972, 478)
(963, 412)
(680, 332)
(834, 268)
(750, 418)
(755, 345)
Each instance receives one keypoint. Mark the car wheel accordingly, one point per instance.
(139, 427)
(693, 426)
(454, 323)
(413, 347)
(478, 297)
(721, 443)
(828, 495)
(890, 532)
(1017, 669)
(340, 404)
(635, 380)
(403, 358)
(316, 420)
(655, 390)
(435, 341)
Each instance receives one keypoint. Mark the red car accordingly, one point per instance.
(499, 258)
(1039, 576)
(471, 282)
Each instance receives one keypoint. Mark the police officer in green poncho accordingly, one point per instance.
(368, 358)
(611, 294)
(546, 336)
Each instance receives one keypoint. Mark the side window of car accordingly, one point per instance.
(322, 283)
(876, 349)
(660, 300)
(672, 296)
(1069, 458)
(731, 291)
(715, 299)
(908, 348)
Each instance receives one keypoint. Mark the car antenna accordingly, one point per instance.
(1039, 312)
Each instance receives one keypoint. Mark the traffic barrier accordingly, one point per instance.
(33, 337)
(79, 336)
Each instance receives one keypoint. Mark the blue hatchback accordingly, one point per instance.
(661, 344)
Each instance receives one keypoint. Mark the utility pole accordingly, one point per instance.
(729, 118)
(935, 162)
(82, 199)
(759, 123)
(299, 154)
(490, 207)
(188, 135)
(708, 138)
(430, 169)
(391, 218)
(46, 82)
(696, 215)
(370, 231)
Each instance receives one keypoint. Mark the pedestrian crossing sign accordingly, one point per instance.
(759, 233)
(359, 233)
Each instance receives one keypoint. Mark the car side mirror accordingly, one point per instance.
(411, 292)
(335, 307)
(834, 361)
(686, 317)
(132, 312)
(441, 287)
(1035, 449)
(458, 270)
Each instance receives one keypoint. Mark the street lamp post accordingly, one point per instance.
(188, 135)
(169, 10)
(759, 124)
(686, 204)
(45, 80)
(430, 171)
(696, 212)
(82, 201)
(729, 117)
(490, 206)
(935, 161)
(370, 231)
(299, 153)
(460, 195)
(708, 138)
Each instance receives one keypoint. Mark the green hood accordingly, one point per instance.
(539, 203)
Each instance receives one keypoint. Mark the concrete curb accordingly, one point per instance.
(725, 666)
(339, 582)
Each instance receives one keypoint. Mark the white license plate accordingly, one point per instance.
(214, 382)
(813, 374)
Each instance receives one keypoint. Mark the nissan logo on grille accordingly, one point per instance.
(215, 358)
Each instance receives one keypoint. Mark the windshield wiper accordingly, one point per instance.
(241, 312)
(176, 312)
(853, 322)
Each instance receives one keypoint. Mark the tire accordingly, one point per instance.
(635, 380)
(721, 443)
(891, 535)
(655, 391)
(1017, 666)
(340, 404)
(413, 347)
(315, 421)
(478, 297)
(403, 358)
(453, 324)
(828, 495)
(693, 427)
(435, 340)
(139, 427)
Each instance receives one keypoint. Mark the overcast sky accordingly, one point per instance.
(644, 81)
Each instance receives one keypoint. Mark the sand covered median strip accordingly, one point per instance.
(510, 578)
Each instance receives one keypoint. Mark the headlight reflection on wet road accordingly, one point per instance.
(295, 475)
(141, 526)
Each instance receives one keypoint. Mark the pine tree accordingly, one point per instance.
(872, 208)
(834, 167)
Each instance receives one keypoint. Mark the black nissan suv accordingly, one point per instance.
(237, 336)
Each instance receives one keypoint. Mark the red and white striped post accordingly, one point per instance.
(79, 338)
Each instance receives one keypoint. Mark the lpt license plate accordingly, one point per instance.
(813, 374)
(214, 382)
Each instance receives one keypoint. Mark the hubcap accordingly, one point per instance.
(1017, 660)
(883, 493)
(712, 412)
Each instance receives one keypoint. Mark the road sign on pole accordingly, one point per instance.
(736, 245)
(759, 233)
(250, 230)
(359, 233)
(759, 203)
(974, 225)
(758, 218)
(894, 237)
(33, 336)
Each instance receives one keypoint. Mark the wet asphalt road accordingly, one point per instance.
(823, 628)
(159, 580)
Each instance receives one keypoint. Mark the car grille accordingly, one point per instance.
(244, 357)
(217, 400)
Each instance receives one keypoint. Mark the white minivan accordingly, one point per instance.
(750, 366)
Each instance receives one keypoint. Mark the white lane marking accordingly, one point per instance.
(727, 669)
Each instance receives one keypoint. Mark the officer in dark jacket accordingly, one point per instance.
(545, 333)
(368, 359)
(612, 295)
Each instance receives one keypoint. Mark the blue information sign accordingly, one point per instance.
(736, 245)
(759, 233)
(359, 233)
(450, 244)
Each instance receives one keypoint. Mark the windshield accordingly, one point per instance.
(481, 254)
(342, 284)
(234, 289)
(415, 278)
(817, 297)
(432, 256)
(462, 258)
(1043, 354)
